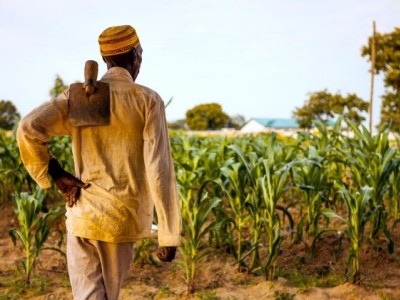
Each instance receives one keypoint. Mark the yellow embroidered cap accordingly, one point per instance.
(118, 40)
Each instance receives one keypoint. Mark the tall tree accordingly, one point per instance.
(387, 61)
(8, 114)
(58, 87)
(206, 117)
(323, 105)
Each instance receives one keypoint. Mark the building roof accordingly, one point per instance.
(282, 122)
(277, 123)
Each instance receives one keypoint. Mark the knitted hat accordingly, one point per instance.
(118, 40)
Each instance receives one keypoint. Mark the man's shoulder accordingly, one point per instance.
(144, 88)
(147, 92)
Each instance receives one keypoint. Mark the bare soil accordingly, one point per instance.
(299, 277)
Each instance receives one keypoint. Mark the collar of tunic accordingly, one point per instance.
(118, 72)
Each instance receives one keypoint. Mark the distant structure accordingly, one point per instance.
(288, 127)
(283, 126)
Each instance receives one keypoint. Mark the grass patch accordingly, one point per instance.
(283, 295)
(164, 292)
(384, 296)
(242, 279)
(301, 280)
(15, 287)
(207, 295)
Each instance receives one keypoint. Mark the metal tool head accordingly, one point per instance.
(89, 102)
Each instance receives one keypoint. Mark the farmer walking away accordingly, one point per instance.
(123, 167)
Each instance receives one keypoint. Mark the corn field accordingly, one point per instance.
(246, 194)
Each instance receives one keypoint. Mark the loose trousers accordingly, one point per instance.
(97, 269)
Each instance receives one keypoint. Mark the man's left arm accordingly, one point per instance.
(162, 181)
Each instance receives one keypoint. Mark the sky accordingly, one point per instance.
(256, 58)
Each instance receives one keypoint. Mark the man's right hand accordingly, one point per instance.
(67, 184)
(166, 254)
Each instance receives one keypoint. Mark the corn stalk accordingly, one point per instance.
(13, 176)
(234, 189)
(34, 228)
(272, 185)
(360, 210)
(196, 225)
(309, 176)
(372, 162)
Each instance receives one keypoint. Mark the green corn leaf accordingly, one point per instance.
(305, 187)
(286, 213)
(365, 195)
(329, 213)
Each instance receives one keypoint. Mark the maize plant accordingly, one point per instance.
(252, 171)
(234, 187)
(215, 156)
(195, 208)
(253, 186)
(394, 197)
(239, 186)
(188, 168)
(34, 228)
(394, 192)
(360, 210)
(309, 175)
(272, 185)
(13, 175)
(266, 185)
(196, 225)
(372, 162)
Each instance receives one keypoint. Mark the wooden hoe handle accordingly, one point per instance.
(91, 72)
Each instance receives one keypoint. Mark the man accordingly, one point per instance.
(121, 171)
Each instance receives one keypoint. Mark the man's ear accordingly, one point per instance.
(134, 55)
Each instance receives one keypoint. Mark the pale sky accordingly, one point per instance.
(257, 58)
